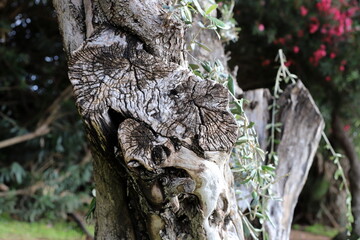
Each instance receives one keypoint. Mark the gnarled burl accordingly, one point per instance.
(161, 136)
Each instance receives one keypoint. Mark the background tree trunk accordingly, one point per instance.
(160, 136)
(348, 147)
(302, 125)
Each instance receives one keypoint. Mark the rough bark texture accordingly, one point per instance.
(301, 133)
(161, 136)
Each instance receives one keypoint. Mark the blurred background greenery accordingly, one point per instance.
(47, 174)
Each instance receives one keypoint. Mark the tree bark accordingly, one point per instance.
(257, 111)
(161, 137)
(302, 125)
(354, 174)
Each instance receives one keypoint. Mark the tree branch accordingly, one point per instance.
(43, 124)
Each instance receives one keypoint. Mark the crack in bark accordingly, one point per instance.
(146, 111)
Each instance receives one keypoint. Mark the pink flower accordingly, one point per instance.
(281, 41)
(342, 68)
(314, 25)
(266, 62)
(332, 55)
(289, 63)
(336, 13)
(261, 27)
(323, 5)
(348, 23)
(317, 55)
(296, 49)
(347, 127)
(351, 11)
(339, 30)
(327, 39)
(303, 11)
(343, 62)
(328, 78)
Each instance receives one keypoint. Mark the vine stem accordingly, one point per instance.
(283, 74)
(340, 171)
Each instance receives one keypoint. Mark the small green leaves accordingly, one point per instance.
(206, 65)
(186, 14)
(211, 8)
(203, 46)
(91, 210)
(198, 7)
(231, 85)
(218, 23)
(194, 66)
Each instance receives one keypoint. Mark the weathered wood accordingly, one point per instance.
(301, 133)
(71, 23)
(257, 111)
(161, 137)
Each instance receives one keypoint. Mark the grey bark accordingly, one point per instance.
(257, 111)
(160, 136)
(301, 133)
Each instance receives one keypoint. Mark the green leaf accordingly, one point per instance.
(231, 85)
(188, 15)
(211, 8)
(91, 210)
(218, 23)
(198, 73)
(268, 167)
(18, 172)
(194, 66)
(203, 46)
(337, 174)
(211, 26)
(206, 66)
(251, 124)
(198, 7)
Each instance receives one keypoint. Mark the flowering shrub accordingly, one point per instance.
(320, 39)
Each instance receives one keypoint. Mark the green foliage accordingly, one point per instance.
(11, 229)
(339, 173)
(50, 175)
(320, 40)
(223, 26)
(318, 229)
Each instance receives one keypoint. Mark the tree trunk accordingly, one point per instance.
(302, 125)
(354, 174)
(160, 136)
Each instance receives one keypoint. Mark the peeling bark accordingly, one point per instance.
(161, 136)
